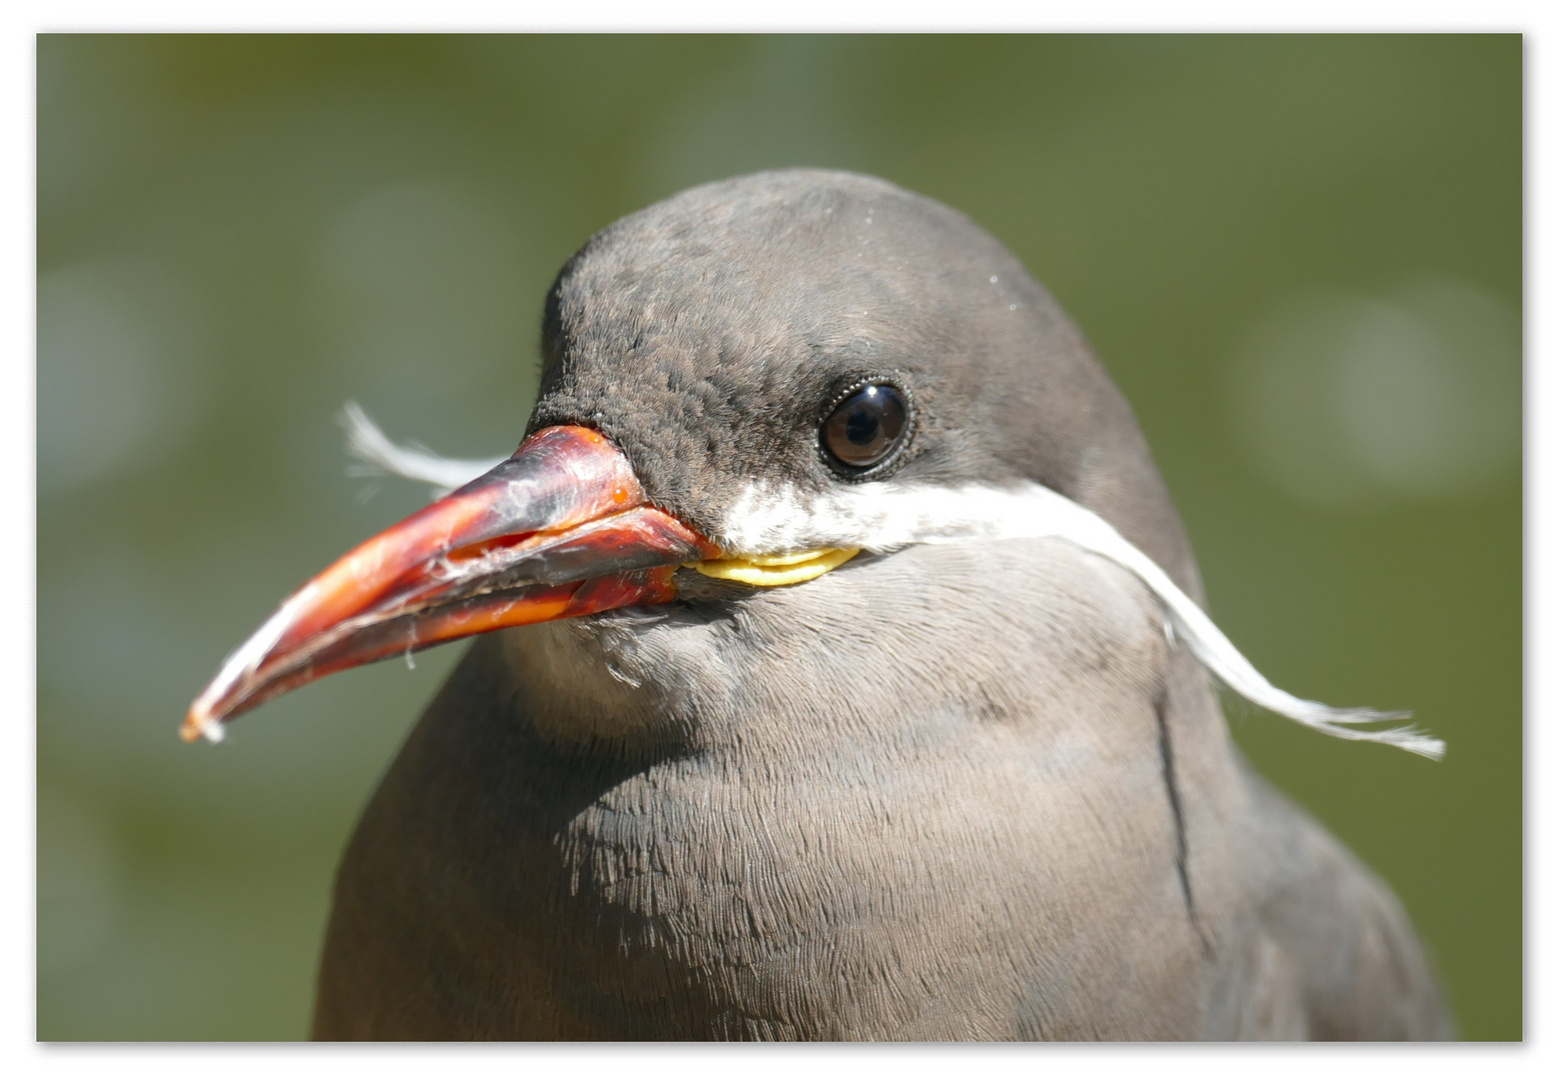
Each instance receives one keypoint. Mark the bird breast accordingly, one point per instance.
(801, 771)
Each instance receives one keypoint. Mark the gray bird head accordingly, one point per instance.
(710, 335)
(750, 383)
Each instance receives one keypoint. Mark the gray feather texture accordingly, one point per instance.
(967, 790)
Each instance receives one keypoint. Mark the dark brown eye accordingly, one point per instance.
(866, 427)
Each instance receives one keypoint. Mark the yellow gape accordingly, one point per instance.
(769, 570)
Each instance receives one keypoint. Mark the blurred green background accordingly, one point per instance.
(1299, 256)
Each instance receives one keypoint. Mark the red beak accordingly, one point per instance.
(559, 529)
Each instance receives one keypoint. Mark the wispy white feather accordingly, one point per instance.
(884, 517)
(1212, 648)
(367, 443)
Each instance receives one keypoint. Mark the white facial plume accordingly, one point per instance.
(884, 516)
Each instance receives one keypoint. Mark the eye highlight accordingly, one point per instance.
(865, 428)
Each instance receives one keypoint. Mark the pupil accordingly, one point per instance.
(863, 426)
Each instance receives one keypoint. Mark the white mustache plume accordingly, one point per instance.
(883, 517)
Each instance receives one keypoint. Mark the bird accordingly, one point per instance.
(841, 672)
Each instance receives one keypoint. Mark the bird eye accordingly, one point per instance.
(866, 427)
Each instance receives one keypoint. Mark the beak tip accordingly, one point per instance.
(196, 725)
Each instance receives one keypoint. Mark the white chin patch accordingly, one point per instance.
(884, 517)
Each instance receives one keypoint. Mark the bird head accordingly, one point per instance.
(754, 381)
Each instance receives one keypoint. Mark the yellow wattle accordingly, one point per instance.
(770, 570)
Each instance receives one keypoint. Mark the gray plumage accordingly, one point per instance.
(955, 791)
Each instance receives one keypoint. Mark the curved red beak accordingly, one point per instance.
(558, 530)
